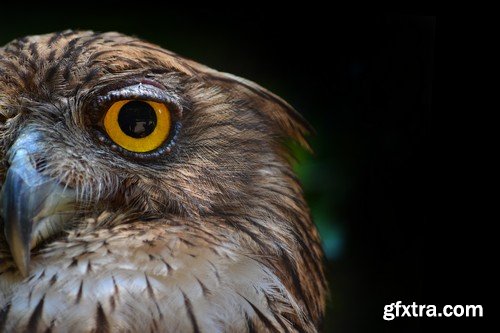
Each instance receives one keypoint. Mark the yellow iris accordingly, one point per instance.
(136, 125)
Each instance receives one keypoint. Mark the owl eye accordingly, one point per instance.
(137, 125)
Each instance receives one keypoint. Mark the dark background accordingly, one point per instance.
(365, 82)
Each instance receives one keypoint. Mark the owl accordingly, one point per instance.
(144, 192)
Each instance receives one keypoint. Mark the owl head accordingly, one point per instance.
(102, 124)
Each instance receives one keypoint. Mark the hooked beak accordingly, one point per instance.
(33, 206)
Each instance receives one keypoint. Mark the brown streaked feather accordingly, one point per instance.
(36, 317)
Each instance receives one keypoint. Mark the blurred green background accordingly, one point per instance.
(362, 81)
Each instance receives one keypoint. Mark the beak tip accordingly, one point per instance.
(23, 267)
(20, 254)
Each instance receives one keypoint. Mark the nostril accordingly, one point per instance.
(39, 163)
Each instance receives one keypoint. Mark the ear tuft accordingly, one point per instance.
(289, 121)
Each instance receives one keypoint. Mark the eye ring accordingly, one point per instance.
(137, 129)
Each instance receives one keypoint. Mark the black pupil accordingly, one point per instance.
(137, 119)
